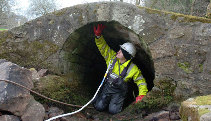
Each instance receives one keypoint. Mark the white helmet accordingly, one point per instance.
(130, 48)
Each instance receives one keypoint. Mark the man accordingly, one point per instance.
(122, 70)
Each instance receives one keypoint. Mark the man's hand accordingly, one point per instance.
(99, 29)
(139, 98)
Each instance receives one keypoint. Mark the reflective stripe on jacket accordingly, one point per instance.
(133, 71)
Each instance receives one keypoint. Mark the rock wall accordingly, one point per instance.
(199, 7)
(170, 46)
(208, 14)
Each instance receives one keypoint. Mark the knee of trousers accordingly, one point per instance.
(114, 109)
(99, 106)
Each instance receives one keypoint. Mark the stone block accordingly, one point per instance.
(13, 98)
(34, 111)
(196, 109)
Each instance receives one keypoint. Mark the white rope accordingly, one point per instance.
(68, 114)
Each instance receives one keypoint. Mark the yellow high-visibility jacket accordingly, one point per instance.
(133, 71)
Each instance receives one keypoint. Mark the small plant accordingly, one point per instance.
(156, 99)
(185, 66)
(200, 68)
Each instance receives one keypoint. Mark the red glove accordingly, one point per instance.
(99, 30)
(139, 98)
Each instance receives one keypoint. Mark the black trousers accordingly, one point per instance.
(110, 97)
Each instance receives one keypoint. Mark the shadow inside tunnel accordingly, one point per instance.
(81, 58)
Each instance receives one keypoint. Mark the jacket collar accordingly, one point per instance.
(125, 63)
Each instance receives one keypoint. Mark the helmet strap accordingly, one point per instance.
(126, 54)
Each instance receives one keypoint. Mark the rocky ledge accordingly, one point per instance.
(196, 109)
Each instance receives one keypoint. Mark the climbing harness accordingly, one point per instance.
(68, 114)
(117, 80)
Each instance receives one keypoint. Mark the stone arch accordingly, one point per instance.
(124, 23)
(175, 40)
(81, 60)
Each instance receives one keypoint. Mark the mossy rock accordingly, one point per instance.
(160, 96)
(195, 108)
(26, 53)
(61, 89)
(185, 67)
(3, 36)
(177, 16)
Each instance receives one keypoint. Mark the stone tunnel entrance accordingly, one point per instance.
(81, 60)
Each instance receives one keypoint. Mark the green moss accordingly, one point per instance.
(200, 67)
(51, 22)
(28, 54)
(156, 99)
(184, 118)
(2, 38)
(208, 15)
(203, 111)
(185, 66)
(195, 19)
(36, 45)
(60, 12)
(95, 11)
(153, 11)
(188, 111)
(166, 86)
(150, 103)
(59, 88)
(4, 35)
(203, 100)
(175, 16)
(192, 108)
(44, 48)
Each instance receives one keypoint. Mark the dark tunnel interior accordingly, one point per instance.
(81, 59)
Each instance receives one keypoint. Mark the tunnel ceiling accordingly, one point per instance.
(81, 59)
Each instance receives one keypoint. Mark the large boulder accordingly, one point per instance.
(196, 109)
(15, 99)
(34, 111)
